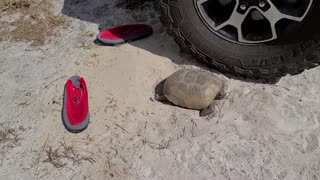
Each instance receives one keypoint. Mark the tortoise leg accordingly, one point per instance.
(160, 98)
(221, 95)
(209, 110)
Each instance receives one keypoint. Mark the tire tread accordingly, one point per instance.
(301, 59)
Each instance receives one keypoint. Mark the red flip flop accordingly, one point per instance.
(75, 113)
(124, 34)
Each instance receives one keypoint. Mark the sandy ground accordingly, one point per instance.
(260, 131)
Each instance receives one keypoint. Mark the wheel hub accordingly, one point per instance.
(245, 4)
(251, 21)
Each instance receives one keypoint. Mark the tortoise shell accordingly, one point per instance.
(193, 89)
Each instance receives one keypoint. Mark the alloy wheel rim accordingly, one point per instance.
(251, 21)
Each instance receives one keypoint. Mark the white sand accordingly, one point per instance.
(260, 132)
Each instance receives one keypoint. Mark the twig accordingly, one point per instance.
(163, 145)
(54, 158)
(183, 131)
(281, 87)
(40, 153)
(88, 151)
(220, 110)
(46, 86)
(123, 129)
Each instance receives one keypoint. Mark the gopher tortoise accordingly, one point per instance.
(193, 89)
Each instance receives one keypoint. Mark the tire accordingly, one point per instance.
(292, 53)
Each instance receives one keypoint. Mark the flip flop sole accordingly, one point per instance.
(148, 31)
(72, 128)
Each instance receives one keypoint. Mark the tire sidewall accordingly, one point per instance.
(268, 55)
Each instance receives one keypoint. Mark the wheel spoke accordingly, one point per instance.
(203, 12)
(238, 17)
(201, 1)
(274, 15)
(210, 21)
(236, 21)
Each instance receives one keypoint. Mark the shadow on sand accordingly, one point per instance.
(109, 13)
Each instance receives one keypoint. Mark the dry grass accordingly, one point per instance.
(162, 145)
(159, 146)
(36, 30)
(8, 139)
(8, 135)
(58, 157)
(54, 157)
(16, 4)
(86, 40)
(35, 24)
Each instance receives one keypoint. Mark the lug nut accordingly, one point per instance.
(243, 6)
(262, 4)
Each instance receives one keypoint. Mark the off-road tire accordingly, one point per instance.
(264, 61)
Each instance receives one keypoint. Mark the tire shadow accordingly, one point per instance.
(107, 14)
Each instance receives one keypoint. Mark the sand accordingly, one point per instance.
(260, 131)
